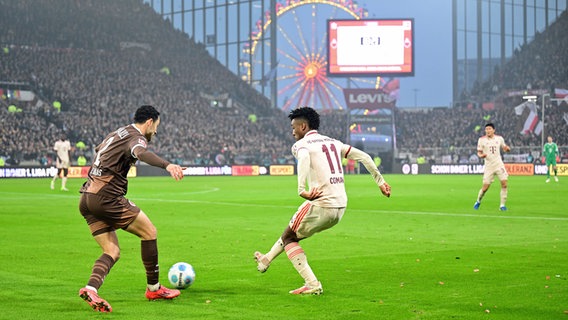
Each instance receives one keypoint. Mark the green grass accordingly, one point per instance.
(422, 254)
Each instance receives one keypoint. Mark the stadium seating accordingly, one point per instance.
(102, 59)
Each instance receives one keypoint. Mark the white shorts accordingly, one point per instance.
(62, 164)
(310, 219)
(489, 175)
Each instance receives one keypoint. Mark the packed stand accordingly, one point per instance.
(102, 59)
(539, 64)
(101, 63)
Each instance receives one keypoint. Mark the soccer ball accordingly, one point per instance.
(181, 275)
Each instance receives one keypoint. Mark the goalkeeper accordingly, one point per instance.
(550, 152)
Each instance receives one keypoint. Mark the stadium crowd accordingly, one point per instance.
(102, 59)
(100, 67)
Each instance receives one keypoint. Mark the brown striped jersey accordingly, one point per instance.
(113, 159)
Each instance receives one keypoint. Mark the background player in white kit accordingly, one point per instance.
(319, 164)
(489, 148)
(62, 148)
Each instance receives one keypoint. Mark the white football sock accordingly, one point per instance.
(92, 288)
(503, 196)
(480, 195)
(154, 287)
(275, 251)
(300, 262)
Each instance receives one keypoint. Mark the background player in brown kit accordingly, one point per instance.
(105, 208)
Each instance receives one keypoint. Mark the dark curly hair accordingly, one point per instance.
(308, 114)
(146, 112)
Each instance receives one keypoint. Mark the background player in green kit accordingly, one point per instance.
(550, 152)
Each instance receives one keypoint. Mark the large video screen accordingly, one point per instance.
(378, 47)
(372, 130)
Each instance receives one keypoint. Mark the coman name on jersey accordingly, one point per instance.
(336, 180)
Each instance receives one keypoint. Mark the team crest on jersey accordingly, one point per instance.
(295, 150)
(142, 142)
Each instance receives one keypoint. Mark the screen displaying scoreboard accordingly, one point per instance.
(378, 47)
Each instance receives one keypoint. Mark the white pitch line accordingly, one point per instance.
(463, 215)
(447, 214)
(75, 194)
(236, 204)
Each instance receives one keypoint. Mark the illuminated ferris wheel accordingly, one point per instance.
(301, 67)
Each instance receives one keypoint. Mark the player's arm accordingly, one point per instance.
(480, 153)
(153, 159)
(55, 147)
(364, 158)
(505, 147)
(303, 157)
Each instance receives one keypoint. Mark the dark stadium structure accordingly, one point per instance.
(82, 67)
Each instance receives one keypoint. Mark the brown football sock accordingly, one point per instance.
(100, 270)
(150, 260)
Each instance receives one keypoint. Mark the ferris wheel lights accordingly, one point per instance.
(301, 76)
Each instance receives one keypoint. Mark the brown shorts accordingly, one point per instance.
(105, 214)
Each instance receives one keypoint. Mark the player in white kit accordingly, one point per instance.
(321, 183)
(489, 148)
(62, 148)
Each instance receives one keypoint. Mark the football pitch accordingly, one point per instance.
(424, 253)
